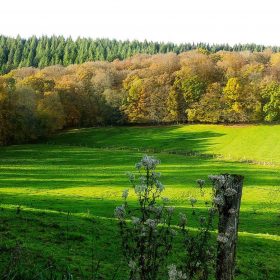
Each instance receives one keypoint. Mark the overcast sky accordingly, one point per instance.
(212, 21)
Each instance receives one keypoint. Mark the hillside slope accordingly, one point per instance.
(253, 142)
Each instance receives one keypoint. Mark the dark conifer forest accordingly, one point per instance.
(45, 51)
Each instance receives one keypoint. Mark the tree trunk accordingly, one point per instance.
(228, 192)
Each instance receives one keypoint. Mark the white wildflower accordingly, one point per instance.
(212, 210)
(158, 210)
(175, 274)
(222, 238)
(143, 180)
(214, 178)
(120, 212)
(170, 209)
(182, 220)
(217, 180)
(200, 182)
(156, 175)
(132, 265)
(138, 165)
(193, 201)
(230, 231)
(151, 208)
(230, 192)
(149, 163)
(172, 272)
(219, 200)
(151, 223)
(143, 231)
(135, 220)
(159, 185)
(181, 275)
(140, 188)
(131, 177)
(232, 211)
(125, 194)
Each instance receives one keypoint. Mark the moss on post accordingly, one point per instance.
(228, 192)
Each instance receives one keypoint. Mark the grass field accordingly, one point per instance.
(49, 193)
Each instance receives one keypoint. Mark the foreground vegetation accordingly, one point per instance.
(58, 197)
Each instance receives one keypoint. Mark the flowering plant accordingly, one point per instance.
(146, 231)
(198, 254)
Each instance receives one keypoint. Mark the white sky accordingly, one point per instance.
(211, 21)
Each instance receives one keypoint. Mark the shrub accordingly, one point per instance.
(147, 238)
(147, 234)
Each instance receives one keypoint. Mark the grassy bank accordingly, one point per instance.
(50, 193)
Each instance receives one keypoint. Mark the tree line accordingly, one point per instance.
(194, 86)
(45, 51)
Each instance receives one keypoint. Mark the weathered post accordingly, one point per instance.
(227, 197)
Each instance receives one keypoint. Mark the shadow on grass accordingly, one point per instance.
(64, 167)
(110, 171)
(159, 138)
(252, 222)
(67, 242)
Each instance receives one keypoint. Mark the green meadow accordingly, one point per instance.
(58, 196)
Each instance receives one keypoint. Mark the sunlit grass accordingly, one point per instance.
(239, 142)
(85, 173)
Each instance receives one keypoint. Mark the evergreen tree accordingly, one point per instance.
(46, 51)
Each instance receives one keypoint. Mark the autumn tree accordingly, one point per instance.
(271, 98)
(205, 84)
(210, 108)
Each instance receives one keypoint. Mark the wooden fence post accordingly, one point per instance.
(228, 192)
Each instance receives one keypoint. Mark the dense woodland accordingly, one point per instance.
(193, 86)
(47, 51)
